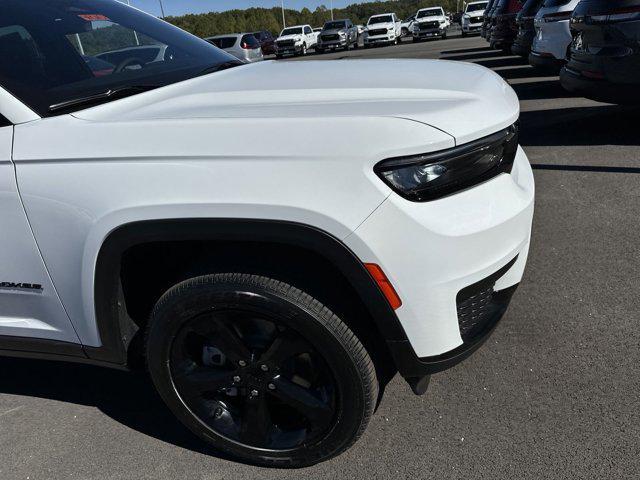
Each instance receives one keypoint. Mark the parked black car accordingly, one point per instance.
(486, 24)
(504, 28)
(526, 30)
(604, 61)
(267, 42)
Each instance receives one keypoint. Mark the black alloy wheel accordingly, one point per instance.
(260, 369)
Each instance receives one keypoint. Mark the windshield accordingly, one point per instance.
(335, 25)
(475, 7)
(435, 12)
(382, 19)
(291, 31)
(56, 51)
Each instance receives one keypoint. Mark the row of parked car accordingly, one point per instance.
(382, 29)
(594, 44)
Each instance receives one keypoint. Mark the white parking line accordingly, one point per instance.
(11, 411)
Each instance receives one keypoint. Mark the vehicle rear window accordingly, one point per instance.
(224, 42)
(250, 41)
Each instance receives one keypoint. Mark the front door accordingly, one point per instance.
(29, 305)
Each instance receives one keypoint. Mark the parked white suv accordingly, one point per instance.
(296, 40)
(553, 34)
(473, 17)
(187, 216)
(382, 29)
(429, 23)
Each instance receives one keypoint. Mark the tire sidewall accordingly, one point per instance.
(350, 397)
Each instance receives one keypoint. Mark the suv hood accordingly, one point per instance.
(465, 100)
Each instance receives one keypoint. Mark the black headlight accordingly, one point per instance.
(422, 178)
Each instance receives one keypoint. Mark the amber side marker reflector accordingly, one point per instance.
(385, 285)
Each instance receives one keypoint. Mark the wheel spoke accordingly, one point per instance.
(302, 400)
(230, 344)
(197, 380)
(285, 346)
(256, 422)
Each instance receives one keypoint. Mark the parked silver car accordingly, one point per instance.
(244, 46)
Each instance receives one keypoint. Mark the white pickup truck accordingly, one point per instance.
(296, 40)
(383, 29)
(429, 23)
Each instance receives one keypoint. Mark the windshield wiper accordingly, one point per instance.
(101, 97)
(220, 66)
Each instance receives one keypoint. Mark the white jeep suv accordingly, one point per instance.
(185, 215)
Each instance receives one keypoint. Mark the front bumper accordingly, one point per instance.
(379, 39)
(292, 50)
(599, 89)
(545, 61)
(434, 32)
(332, 45)
(472, 28)
(435, 251)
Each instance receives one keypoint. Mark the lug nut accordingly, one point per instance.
(271, 386)
(236, 378)
(242, 363)
(264, 368)
(254, 393)
(218, 412)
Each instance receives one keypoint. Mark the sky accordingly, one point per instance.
(179, 7)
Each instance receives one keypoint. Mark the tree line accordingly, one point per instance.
(270, 19)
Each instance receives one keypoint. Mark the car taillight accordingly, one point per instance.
(246, 46)
(557, 17)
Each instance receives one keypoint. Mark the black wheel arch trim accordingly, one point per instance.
(107, 278)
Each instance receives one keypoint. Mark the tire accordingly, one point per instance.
(319, 50)
(278, 57)
(320, 384)
(303, 52)
(464, 34)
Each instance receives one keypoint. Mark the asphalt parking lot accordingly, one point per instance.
(553, 394)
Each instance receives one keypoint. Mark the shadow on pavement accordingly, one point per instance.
(469, 50)
(541, 90)
(502, 62)
(597, 125)
(474, 56)
(128, 398)
(581, 168)
(523, 71)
